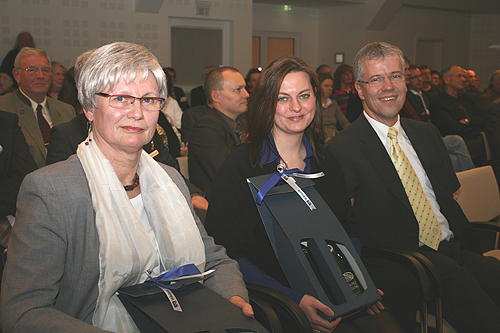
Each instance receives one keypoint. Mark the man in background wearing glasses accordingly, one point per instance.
(37, 112)
(401, 183)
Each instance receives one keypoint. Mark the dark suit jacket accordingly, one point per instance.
(417, 104)
(380, 202)
(210, 142)
(190, 117)
(60, 112)
(15, 161)
(198, 96)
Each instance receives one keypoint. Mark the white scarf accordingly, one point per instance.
(125, 249)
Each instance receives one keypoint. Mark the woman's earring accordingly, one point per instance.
(89, 127)
(152, 145)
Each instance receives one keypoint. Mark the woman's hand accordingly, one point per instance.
(311, 306)
(377, 307)
(244, 306)
(199, 202)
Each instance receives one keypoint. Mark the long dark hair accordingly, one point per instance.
(262, 107)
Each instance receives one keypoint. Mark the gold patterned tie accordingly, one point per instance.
(429, 229)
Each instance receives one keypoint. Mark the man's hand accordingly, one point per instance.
(244, 306)
(311, 306)
(199, 202)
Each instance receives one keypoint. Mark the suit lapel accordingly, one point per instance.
(376, 153)
(29, 121)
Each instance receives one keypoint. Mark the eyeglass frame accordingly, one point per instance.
(36, 70)
(403, 78)
(162, 100)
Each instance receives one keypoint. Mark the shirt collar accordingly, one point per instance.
(34, 104)
(273, 157)
(382, 129)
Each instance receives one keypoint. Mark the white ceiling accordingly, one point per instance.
(463, 6)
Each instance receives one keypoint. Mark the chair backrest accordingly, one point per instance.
(183, 166)
(478, 196)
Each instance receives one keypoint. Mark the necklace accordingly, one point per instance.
(134, 185)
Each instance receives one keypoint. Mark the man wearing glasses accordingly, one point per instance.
(453, 112)
(401, 183)
(37, 112)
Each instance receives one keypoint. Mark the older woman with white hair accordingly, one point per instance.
(100, 220)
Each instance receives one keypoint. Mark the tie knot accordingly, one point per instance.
(393, 133)
(39, 107)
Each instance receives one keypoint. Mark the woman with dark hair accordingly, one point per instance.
(333, 118)
(343, 86)
(284, 130)
(68, 93)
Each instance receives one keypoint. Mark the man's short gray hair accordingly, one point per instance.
(27, 51)
(110, 63)
(375, 51)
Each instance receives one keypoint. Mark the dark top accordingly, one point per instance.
(447, 111)
(8, 64)
(15, 161)
(181, 98)
(211, 140)
(189, 119)
(233, 219)
(198, 96)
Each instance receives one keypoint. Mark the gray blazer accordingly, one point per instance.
(60, 112)
(51, 276)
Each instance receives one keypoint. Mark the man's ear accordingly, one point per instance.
(17, 75)
(357, 85)
(215, 95)
(446, 79)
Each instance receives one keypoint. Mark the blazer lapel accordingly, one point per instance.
(29, 121)
(376, 153)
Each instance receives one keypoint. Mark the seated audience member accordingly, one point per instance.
(6, 83)
(23, 39)
(343, 86)
(455, 113)
(436, 79)
(472, 90)
(172, 108)
(430, 87)
(415, 106)
(68, 93)
(217, 133)
(37, 113)
(323, 68)
(177, 92)
(288, 87)
(493, 93)
(190, 117)
(380, 153)
(251, 79)
(333, 118)
(197, 93)
(57, 80)
(492, 129)
(130, 197)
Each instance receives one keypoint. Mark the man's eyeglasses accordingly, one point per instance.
(125, 101)
(36, 70)
(377, 81)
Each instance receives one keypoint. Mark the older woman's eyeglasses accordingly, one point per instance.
(125, 101)
(377, 81)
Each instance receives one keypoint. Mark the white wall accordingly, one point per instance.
(485, 32)
(66, 28)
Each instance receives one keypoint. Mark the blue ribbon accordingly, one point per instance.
(184, 270)
(271, 182)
